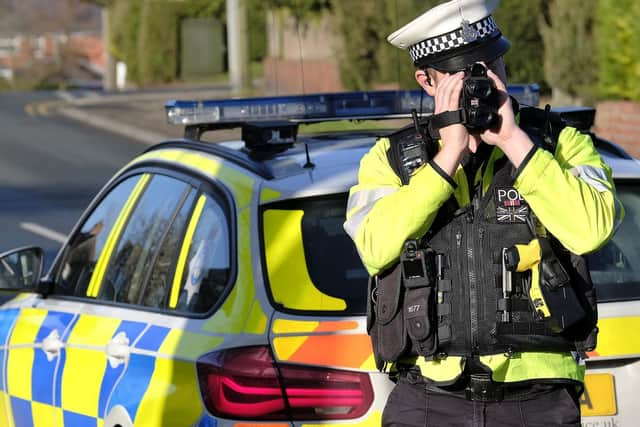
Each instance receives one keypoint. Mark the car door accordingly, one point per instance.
(35, 352)
(97, 348)
(160, 385)
(140, 285)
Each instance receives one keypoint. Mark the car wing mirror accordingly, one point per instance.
(21, 269)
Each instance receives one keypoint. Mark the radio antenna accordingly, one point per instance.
(309, 164)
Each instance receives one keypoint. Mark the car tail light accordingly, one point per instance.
(246, 383)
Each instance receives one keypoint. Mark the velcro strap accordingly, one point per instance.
(444, 333)
(504, 304)
(447, 118)
(444, 285)
(443, 309)
(520, 304)
(496, 256)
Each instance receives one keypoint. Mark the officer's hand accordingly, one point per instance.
(512, 140)
(508, 125)
(447, 98)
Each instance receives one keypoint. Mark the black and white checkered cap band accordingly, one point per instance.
(484, 28)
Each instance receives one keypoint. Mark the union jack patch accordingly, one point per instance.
(510, 206)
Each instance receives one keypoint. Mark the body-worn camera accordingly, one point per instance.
(479, 99)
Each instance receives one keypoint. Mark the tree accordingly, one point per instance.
(157, 46)
(144, 34)
(358, 23)
(301, 9)
(617, 53)
(567, 27)
(368, 58)
(516, 20)
(124, 21)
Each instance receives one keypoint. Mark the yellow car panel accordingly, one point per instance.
(172, 397)
(21, 354)
(614, 339)
(285, 257)
(184, 345)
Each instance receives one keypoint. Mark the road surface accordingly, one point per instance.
(50, 169)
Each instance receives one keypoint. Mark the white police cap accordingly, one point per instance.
(453, 35)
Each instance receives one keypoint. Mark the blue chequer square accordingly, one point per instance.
(78, 420)
(22, 415)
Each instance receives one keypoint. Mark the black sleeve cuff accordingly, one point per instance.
(443, 174)
(524, 163)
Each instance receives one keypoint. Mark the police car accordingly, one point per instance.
(213, 284)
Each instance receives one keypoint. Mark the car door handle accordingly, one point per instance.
(52, 344)
(118, 349)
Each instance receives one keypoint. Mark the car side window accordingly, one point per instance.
(81, 255)
(157, 288)
(139, 247)
(204, 265)
(304, 242)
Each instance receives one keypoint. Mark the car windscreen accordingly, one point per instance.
(312, 265)
(615, 268)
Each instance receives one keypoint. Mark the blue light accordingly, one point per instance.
(321, 107)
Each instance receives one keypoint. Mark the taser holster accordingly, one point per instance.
(550, 290)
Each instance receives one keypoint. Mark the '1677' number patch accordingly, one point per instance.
(510, 206)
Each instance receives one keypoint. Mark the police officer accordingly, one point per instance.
(455, 323)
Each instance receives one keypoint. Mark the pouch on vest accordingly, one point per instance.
(371, 318)
(387, 332)
(419, 279)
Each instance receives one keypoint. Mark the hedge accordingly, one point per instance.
(569, 61)
(618, 51)
(369, 59)
(586, 48)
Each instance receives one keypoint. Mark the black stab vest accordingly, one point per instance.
(470, 293)
(464, 301)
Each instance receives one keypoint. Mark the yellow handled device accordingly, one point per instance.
(521, 258)
(550, 293)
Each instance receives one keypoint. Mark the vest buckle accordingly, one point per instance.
(481, 388)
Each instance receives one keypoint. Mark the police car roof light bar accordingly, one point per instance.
(371, 105)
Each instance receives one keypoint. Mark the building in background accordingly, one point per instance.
(76, 59)
(46, 43)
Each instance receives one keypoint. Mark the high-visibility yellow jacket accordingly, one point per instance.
(571, 192)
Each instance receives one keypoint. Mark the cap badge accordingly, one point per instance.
(469, 34)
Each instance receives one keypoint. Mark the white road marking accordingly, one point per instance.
(29, 110)
(43, 108)
(43, 232)
(64, 95)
